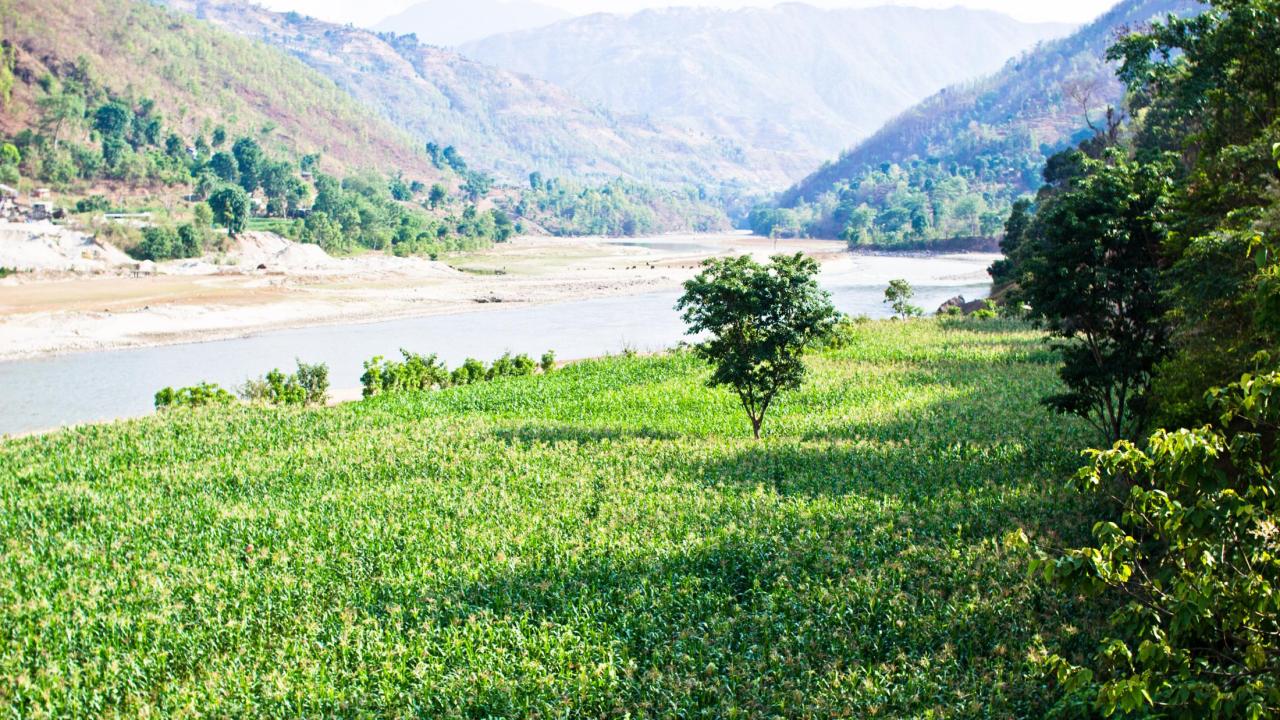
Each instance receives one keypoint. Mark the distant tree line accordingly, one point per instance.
(237, 181)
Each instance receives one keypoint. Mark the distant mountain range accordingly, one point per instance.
(985, 140)
(793, 81)
(501, 121)
(453, 22)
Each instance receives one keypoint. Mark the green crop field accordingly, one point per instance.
(606, 541)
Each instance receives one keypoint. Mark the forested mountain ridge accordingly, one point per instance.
(952, 166)
(793, 80)
(501, 121)
(198, 77)
(452, 22)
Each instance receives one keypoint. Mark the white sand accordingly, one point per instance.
(105, 305)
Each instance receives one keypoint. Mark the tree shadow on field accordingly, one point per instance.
(747, 620)
(984, 490)
(530, 434)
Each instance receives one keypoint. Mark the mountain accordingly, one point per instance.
(453, 22)
(951, 166)
(198, 77)
(794, 80)
(500, 121)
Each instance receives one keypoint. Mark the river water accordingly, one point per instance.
(93, 386)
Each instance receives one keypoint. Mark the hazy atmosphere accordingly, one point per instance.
(370, 12)
(507, 359)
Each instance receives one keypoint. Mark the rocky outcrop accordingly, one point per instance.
(965, 307)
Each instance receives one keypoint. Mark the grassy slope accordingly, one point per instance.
(199, 76)
(603, 541)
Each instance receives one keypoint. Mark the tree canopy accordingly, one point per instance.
(759, 318)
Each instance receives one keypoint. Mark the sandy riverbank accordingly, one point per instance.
(266, 286)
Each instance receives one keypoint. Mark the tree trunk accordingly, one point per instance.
(755, 427)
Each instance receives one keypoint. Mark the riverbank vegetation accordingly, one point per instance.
(604, 539)
(417, 372)
(617, 208)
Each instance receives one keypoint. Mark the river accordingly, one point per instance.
(94, 386)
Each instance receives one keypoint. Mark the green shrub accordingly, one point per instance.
(308, 386)
(314, 380)
(1193, 557)
(898, 295)
(548, 362)
(93, 203)
(842, 333)
(195, 396)
(988, 311)
(166, 243)
(469, 372)
(511, 366)
(415, 372)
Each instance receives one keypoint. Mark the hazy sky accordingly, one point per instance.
(368, 12)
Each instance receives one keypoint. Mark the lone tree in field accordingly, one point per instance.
(898, 295)
(760, 318)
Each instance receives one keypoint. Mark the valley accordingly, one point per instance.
(506, 359)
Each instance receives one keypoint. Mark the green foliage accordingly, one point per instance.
(201, 216)
(1194, 557)
(597, 541)
(309, 385)
(201, 395)
(249, 163)
(617, 208)
(427, 372)
(93, 204)
(471, 371)
(898, 295)
(415, 372)
(988, 311)
(437, 196)
(760, 319)
(8, 58)
(1089, 267)
(165, 243)
(548, 361)
(844, 332)
(112, 119)
(230, 206)
(477, 185)
(1206, 91)
(57, 109)
(361, 212)
(947, 171)
(1169, 242)
(920, 204)
(510, 366)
